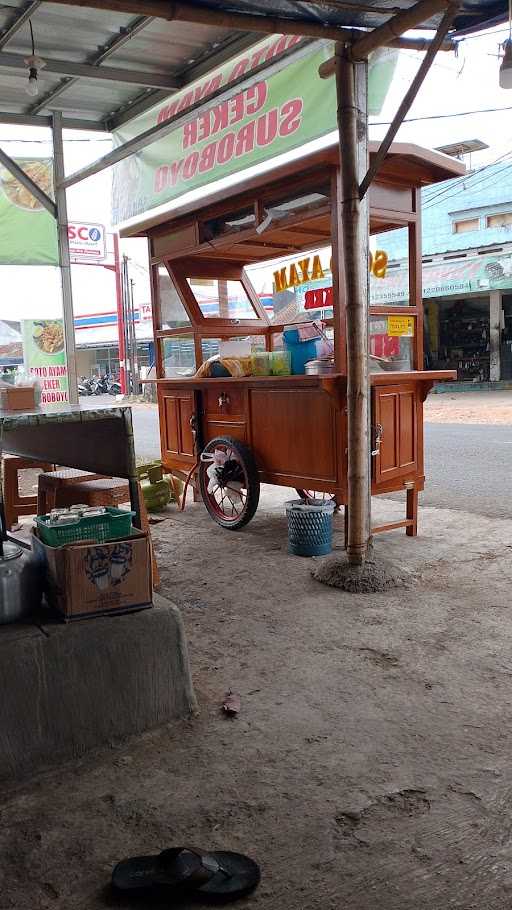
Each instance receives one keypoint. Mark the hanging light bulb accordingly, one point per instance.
(506, 63)
(506, 66)
(32, 87)
(34, 64)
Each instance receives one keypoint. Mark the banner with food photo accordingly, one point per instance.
(28, 233)
(45, 357)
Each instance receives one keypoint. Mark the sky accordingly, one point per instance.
(462, 82)
(457, 84)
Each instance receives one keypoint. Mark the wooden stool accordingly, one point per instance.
(16, 504)
(69, 486)
(53, 487)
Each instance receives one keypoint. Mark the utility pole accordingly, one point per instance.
(120, 317)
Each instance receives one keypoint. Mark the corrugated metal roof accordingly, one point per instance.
(151, 50)
(77, 35)
(355, 13)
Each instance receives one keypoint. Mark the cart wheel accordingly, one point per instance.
(312, 496)
(232, 494)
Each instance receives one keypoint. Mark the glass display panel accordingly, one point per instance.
(390, 343)
(277, 341)
(295, 290)
(248, 345)
(294, 203)
(173, 314)
(230, 223)
(178, 356)
(389, 268)
(221, 299)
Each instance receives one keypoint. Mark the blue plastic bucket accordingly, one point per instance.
(309, 527)
(301, 351)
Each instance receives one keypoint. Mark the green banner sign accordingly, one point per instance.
(266, 118)
(28, 233)
(445, 278)
(44, 356)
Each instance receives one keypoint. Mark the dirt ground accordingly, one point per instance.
(469, 407)
(370, 765)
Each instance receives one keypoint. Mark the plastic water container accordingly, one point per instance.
(301, 351)
(309, 527)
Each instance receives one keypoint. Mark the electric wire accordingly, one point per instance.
(450, 190)
(480, 185)
(485, 110)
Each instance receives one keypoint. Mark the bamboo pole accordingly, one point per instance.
(328, 68)
(352, 127)
(218, 18)
(411, 18)
(264, 25)
(408, 99)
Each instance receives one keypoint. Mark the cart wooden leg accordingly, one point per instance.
(135, 500)
(345, 525)
(46, 501)
(412, 513)
(144, 526)
(195, 489)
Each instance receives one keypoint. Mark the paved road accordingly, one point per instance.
(146, 431)
(468, 466)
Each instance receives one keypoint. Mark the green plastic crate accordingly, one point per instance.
(113, 524)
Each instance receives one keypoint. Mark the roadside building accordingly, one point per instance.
(467, 274)
(97, 341)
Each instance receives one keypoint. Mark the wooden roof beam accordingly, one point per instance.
(328, 68)
(190, 12)
(396, 26)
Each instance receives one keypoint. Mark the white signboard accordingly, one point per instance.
(86, 241)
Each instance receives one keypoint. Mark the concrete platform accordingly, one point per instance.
(67, 689)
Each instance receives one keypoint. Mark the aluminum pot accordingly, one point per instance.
(21, 581)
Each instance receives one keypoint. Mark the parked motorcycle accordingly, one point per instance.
(99, 385)
(114, 387)
(84, 386)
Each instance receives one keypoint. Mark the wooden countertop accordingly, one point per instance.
(383, 378)
(413, 376)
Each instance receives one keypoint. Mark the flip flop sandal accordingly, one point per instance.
(177, 869)
(216, 877)
(236, 875)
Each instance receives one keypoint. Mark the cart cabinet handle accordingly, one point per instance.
(378, 432)
(223, 400)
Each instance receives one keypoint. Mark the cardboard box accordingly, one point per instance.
(17, 398)
(84, 579)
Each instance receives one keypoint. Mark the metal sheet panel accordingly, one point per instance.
(356, 13)
(181, 49)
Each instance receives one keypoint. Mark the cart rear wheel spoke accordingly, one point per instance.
(233, 501)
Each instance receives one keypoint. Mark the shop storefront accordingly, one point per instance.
(467, 298)
(457, 336)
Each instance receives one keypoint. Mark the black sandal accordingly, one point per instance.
(220, 876)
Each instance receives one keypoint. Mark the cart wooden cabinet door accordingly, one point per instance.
(395, 408)
(176, 410)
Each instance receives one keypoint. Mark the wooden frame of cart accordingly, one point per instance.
(285, 430)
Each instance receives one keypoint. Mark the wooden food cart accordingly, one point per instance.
(288, 430)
